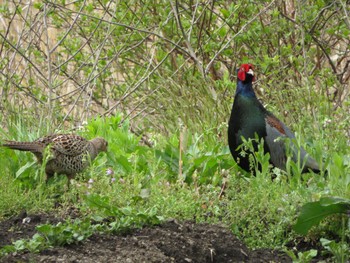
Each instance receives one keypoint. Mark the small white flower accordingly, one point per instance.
(109, 171)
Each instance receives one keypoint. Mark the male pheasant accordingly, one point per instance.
(249, 117)
(71, 154)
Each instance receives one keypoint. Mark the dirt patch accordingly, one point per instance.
(21, 227)
(170, 242)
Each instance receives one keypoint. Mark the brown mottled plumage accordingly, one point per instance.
(71, 153)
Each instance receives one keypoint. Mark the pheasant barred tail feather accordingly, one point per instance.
(25, 146)
(250, 118)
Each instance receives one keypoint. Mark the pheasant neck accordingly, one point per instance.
(245, 89)
(92, 151)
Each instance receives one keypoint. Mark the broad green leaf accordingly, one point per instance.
(312, 213)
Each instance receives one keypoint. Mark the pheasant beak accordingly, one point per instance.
(251, 72)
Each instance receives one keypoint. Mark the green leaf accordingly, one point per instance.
(24, 168)
(225, 13)
(312, 213)
(124, 162)
(38, 6)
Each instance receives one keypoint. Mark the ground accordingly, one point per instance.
(171, 241)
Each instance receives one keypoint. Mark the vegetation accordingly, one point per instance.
(156, 80)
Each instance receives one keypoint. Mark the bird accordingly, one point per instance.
(69, 153)
(249, 118)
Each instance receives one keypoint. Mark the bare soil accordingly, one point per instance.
(170, 242)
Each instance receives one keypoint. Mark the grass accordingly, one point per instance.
(159, 86)
(136, 185)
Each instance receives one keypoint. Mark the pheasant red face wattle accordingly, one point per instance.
(244, 70)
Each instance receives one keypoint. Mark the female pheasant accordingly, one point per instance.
(71, 153)
(249, 117)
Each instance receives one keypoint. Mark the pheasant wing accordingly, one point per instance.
(278, 134)
(69, 144)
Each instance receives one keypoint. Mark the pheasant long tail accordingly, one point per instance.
(33, 147)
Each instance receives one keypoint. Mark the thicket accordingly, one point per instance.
(170, 63)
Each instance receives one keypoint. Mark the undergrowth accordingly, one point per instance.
(134, 185)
